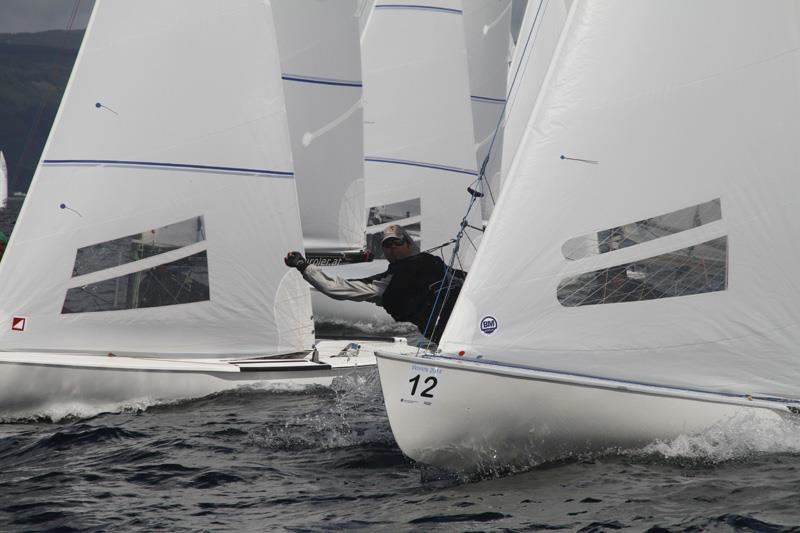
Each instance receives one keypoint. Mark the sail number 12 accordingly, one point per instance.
(430, 381)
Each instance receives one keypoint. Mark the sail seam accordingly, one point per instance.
(321, 81)
(488, 99)
(419, 7)
(169, 166)
(421, 164)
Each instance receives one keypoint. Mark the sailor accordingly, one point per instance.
(415, 287)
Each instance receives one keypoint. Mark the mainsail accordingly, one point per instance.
(419, 142)
(676, 154)
(320, 52)
(165, 196)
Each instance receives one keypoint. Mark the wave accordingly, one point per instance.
(741, 437)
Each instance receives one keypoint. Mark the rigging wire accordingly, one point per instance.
(448, 276)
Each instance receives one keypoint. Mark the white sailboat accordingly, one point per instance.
(3, 181)
(418, 134)
(320, 50)
(675, 156)
(147, 258)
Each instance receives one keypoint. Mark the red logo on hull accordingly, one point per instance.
(18, 323)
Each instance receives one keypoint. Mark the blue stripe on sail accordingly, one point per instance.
(420, 8)
(488, 99)
(421, 164)
(321, 81)
(177, 166)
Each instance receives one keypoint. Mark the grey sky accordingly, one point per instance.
(17, 16)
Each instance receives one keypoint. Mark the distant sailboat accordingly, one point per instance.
(320, 50)
(3, 181)
(638, 280)
(418, 134)
(147, 258)
(487, 26)
(320, 56)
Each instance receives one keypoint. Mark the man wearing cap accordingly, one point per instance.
(413, 289)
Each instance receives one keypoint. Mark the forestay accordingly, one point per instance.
(320, 52)
(419, 142)
(691, 135)
(165, 197)
(486, 27)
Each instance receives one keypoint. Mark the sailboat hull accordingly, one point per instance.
(466, 416)
(37, 383)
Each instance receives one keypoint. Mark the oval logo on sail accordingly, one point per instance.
(488, 324)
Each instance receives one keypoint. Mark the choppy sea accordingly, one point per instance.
(323, 458)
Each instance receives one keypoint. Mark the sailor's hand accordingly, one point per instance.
(296, 260)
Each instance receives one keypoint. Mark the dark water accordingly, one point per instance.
(320, 459)
(323, 458)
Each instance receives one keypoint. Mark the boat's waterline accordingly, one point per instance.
(475, 416)
(32, 383)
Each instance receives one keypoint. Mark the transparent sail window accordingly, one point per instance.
(694, 270)
(642, 231)
(138, 246)
(179, 282)
(374, 240)
(383, 214)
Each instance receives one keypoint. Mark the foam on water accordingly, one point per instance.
(333, 425)
(60, 412)
(740, 437)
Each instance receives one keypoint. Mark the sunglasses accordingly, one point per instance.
(389, 243)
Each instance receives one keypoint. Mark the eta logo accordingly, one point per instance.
(488, 324)
(18, 323)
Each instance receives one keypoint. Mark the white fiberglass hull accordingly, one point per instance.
(479, 417)
(34, 383)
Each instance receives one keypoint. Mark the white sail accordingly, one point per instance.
(364, 13)
(419, 142)
(157, 219)
(519, 7)
(3, 181)
(676, 154)
(319, 45)
(541, 28)
(486, 27)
